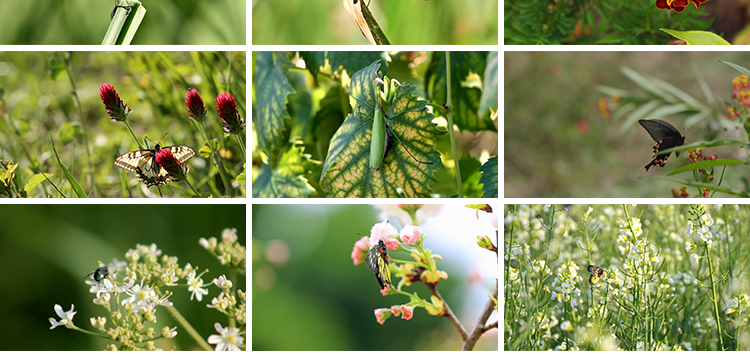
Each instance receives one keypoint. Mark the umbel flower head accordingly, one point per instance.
(116, 109)
(173, 166)
(230, 118)
(194, 102)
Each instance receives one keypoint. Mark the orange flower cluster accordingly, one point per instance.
(740, 92)
(677, 5)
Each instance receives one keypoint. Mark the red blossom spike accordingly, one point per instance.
(230, 118)
(116, 109)
(196, 109)
(173, 166)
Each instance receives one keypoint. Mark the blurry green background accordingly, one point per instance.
(46, 250)
(403, 22)
(308, 294)
(557, 144)
(167, 22)
(37, 104)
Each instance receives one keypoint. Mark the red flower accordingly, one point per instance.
(173, 166)
(677, 5)
(116, 110)
(230, 119)
(196, 109)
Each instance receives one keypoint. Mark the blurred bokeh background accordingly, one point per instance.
(403, 22)
(559, 144)
(167, 22)
(308, 294)
(46, 251)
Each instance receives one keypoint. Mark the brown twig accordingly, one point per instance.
(489, 307)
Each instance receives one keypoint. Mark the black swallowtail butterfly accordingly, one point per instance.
(377, 261)
(596, 273)
(666, 136)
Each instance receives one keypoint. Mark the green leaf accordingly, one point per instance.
(271, 91)
(286, 179)
(205, 151)
(241, 178)
(489, 177)
(707, 186)
(489, 86)
(34, 181)
(736, 67)
(353, 62)
(697, 37)
(707, 164)
(465, 99)
(56, 68)
(702, 144)
(346, 172)
(73, 182)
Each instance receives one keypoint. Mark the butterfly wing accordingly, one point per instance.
(377, 261)
(143, 163)
(181, 152)
(666, 137)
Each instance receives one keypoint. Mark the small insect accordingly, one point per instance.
(596, 273)
(99, 274)
(377, 261)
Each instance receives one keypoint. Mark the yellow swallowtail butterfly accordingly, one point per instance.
(377, 261)
(143, 163)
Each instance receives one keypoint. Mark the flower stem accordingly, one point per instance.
(193, 333)
(449, 117)
(242, 147)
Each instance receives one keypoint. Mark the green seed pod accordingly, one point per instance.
(377, 143)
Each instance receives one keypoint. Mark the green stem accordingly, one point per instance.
(451, 132)
(77, 103)
(130, 129)
(193, 333)
(215, 158)
(192, 188)
(242, 147)
(715, 300)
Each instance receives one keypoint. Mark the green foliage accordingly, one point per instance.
(489, 177)
(74, 143)
(306, 120)
(405, 22)
(169, 22)
(698, 37)
(593, 22)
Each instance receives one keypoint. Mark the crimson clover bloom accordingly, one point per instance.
(230, 118)
(196, 109)
(677, 5)
(173, 166)
(116, 109)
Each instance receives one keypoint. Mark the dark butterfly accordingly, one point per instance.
(377, 261)
(665, 136)
(596, 273)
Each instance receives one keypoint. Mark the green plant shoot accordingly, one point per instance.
(378, 142)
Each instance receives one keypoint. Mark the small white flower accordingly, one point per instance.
(566, 326)
(66, 318)
(705, 234)
(689, 246)
(229, 338)
(222, 282)
(707, 220)
(195, 284)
